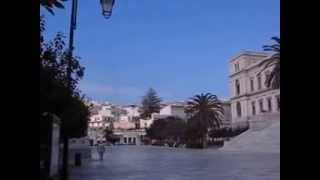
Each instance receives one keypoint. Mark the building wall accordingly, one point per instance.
(173, 110)
(165, 110)
(179, 112)
(132, 111)
(133, 137)
(124, 124)
(145, 123)
(227, 113)
(250, 69)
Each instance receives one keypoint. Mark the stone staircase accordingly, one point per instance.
(261, 137)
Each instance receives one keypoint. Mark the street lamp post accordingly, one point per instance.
(106, 6)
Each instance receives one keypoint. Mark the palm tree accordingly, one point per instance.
(205, 112)
(273, 80)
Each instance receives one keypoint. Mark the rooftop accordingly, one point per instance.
(250, 53)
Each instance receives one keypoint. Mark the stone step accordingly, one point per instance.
(266, 139)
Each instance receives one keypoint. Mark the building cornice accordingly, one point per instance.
(250, 53)
(252, 93)
(251, 67)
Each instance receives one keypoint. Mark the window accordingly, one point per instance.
(125, 140)
(137, 125)
(259, 82)
(251, 84)
(238, 107)
(236, 67)
(130, 140)
(267, 75)
(261, 105)
(269, 104)
(237, 86)
(253, 105)
(278, 102)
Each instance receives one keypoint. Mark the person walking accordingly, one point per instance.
(101, 149)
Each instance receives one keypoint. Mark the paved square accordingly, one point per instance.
(162, 163)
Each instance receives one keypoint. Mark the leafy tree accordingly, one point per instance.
(175, 129)
(273, 80)
(170, 129)
(150, 104)
(157, 130)
(206, 113)
(55, 95)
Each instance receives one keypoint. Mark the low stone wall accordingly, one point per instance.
(84, 151)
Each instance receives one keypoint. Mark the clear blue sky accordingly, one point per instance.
(178, 47)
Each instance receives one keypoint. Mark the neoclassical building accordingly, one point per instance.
(250, 99)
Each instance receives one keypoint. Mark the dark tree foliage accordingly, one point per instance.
(55, 96)
(175, 128)
(157, 129)
(170, 129)
(150, 104)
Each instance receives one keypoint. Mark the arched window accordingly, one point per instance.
(253, 105)
(259, 82)
(267, 75)
(236, 67)
(237, 86)
(238, 107)
(251, 84)
(269, 100)
(261, 106)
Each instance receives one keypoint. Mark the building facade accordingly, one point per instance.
(130, 137)
(174, 109)
(226, 105)
(250, 99)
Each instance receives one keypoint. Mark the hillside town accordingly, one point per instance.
(204, 108)
(128, 125)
